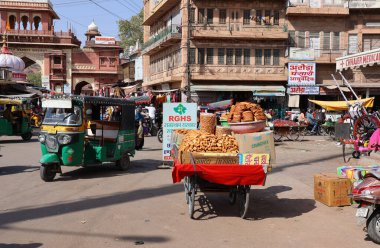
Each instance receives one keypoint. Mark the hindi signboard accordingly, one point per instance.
(303, 90)
(176, 116)
(301, 74)
(103, 40)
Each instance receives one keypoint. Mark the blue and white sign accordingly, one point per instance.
(176, 116)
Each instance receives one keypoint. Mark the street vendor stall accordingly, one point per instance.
(211, 159)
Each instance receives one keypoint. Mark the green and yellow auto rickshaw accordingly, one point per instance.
(85, 131)
(14, 120)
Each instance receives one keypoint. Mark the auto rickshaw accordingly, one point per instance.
(82, 131)
(14, 121)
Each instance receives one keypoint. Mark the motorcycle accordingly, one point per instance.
(367, 195)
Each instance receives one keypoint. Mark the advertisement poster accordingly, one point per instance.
(302, 74)
(103, 40)
(176, 116)
(296, 53)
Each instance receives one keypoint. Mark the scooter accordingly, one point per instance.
(367, 195)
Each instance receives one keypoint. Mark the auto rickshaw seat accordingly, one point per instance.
(110, 130)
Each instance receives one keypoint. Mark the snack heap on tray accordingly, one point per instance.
(198, 141)
(245, 112)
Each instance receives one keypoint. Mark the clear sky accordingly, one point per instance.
(80, 13)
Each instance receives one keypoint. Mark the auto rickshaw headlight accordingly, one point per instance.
(42, 138)
(64, 139)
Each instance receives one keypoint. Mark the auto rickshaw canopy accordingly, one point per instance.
(343, 105)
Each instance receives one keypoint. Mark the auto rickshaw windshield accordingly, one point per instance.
(63, 116)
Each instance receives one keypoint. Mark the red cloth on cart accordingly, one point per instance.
(222, 174)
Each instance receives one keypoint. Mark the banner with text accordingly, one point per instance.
(303, 90)
(176, 116)
(301, 74)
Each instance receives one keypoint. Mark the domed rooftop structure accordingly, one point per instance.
(92, 27)
(9, 61)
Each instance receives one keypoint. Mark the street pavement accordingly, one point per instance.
(103, 207)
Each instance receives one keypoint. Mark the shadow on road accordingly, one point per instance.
(61, 208)
(15, 169)
(137, 166)
(30, 245)
(15, 141)
(264, 204)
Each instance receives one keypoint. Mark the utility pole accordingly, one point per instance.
(188, 73)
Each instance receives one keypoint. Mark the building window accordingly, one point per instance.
(247, 17)
(336, 41)
(314, 40)
(371, 41)
(276, 17)
(258, 56)
(201, 15)
(326, 40)
(210, 56)
(201, 56)
(276, 56)
(230, 56)
(267, 56)
(192, 56)
(292, 38)
(57, 60)
(352, 43)
(247, 56)
(259, 17)
(103, 61)
(112, 61)
(267, 17)
(210, 16)
(301, 39)
(238, 53)
(221, 56)
(222, 16)
(192, 15)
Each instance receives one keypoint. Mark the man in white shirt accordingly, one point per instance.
(152, 112)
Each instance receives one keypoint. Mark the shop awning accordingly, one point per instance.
(258, 90)
(268, 90)
(343, 105)
(333, 87)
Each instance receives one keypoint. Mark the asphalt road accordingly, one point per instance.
(103, 207)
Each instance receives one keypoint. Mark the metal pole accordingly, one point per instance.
(188, 76)
(341, 91)
(348, 84)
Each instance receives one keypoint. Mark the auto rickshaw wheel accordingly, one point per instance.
(124, 162)
(47, 173)
(27, 136)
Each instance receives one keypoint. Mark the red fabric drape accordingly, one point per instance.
(222, 174)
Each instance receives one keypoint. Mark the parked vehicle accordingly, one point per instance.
(160, 134)
(367, 194)
(14, 121)
(76, 131)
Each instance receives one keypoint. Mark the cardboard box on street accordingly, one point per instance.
(332, 190)
(257, 143)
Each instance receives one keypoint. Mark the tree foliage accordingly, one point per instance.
(34, 78)
(131, 30)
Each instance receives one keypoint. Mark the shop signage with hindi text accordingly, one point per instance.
(176, 116)
(302, 74)
(303, 90)
(358, 59)
(103, 40)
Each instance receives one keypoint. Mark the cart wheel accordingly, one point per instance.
(186, 186)
(346, 152)
(232, 196)
(243, 198)
(191, 195)
(277, 136)
(293, 134)
(356, 154)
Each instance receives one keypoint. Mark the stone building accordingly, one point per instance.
(239, 47)
(64, 66)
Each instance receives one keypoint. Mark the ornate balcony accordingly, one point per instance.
(172, 75)
(312, 8)
(240, 31)
(159, 8)
(363, 4)
(238, 72)
(165, 38)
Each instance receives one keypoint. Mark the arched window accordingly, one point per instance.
(24, 21)
(36, 21)
(12, 22)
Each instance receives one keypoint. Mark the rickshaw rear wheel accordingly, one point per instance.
(27, 136)
(47, 173)
(124, 162)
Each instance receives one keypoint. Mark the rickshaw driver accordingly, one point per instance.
(9, 115)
